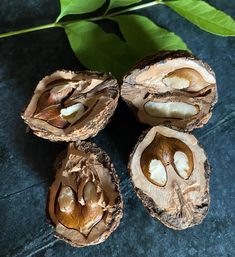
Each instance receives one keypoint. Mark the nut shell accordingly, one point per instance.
(173, 77)
(182, 202)
(84, 164)
(88, 99)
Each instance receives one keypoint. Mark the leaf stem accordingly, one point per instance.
(138, 7)
(22, 31)
(135, 8)
(61, 24)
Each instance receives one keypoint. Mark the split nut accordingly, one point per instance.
(170, 174)
(70, 106)
(171, 88)
(85, 205)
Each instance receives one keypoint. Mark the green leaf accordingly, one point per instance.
(204, 16)
(121, 3)
(98, 50)
(145, 36)
(78, 7)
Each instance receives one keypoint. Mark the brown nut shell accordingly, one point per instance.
(170, 175)
(71, 106)
(171, 88)
(84, 203)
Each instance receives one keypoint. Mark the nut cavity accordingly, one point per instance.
(76, 216)
(177, 110)
(57, 94)
(164, 151)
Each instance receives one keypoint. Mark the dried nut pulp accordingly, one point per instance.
(85, 204)
(70, 106)
(170, 174)
(171, 88)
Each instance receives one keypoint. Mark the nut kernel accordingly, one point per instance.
(182, 164)
(184, 78)
(90, 195)
(72, 113)
(176, 82)
(68, 210)
(157, 172)
(178, 110)
(66, 200)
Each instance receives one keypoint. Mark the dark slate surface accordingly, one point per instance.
(26, 161)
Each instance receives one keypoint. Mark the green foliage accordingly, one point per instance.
(102, 51)
(98, 50)
(145, 37)
(204, 16)
(78, 7)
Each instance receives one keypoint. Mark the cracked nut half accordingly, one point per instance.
(170, 174)
(70, 106)
(171, 88)
(85, 203)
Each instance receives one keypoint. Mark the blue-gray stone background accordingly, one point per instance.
(26, 161)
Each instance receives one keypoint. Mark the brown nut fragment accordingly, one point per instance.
(70, 106)
(170, 174)
(172, 88)
(85, 204)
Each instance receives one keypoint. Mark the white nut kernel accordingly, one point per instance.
(181, 164)
(176, 82)
(73, 112)
(66, 200)
(170, 110)
(157, 172)
(89, 193)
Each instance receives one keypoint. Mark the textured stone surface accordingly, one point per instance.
(26, 161)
